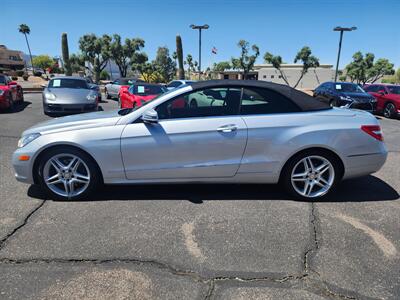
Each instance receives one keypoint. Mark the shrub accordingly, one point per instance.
(20, 73)
(104, 75)
(14, 78)
(25, 76)
(38, 74)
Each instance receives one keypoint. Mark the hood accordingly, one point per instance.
(70, 95)
(76, 122)
(361, 97)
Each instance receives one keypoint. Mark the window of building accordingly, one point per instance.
(272, 76)
(226, 76)
(264, 76)
(202, 103)
(265, 101)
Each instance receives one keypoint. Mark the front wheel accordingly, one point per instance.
(389, 110)
(68, 174)
(333, 103)
(107, 95)
(311, 174)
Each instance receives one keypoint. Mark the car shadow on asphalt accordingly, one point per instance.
(18, 107)
(364, 189)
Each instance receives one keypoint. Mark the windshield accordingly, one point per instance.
(348, 88)
(126, 111)
(68, 83)
(145, 90)
(394, 89)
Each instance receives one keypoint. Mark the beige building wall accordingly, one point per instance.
(11, 59)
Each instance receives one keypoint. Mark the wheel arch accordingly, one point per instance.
(315, 148)
(61, 146)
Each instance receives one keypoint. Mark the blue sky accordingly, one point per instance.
(280, 27)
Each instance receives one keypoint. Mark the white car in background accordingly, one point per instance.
(178, 83)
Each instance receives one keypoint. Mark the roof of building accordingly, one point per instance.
(303, 101)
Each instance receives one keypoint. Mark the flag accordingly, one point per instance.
(214, 50)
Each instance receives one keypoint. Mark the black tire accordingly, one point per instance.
(389, 110)
(286, 175)
(107, 95)
(193, 104)
(21, 96)
(95, 173)
(333, 103)
(11, 106)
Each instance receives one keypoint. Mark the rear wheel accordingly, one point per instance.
(311, 174)
(21, 95)
(107, 95)
(193, 103)
(68, 174)
(389, 110)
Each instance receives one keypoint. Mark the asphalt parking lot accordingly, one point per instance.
(198, 241)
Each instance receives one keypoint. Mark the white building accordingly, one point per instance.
(292, 72)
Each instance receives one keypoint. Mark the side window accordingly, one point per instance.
(264, 101)
(202, 103)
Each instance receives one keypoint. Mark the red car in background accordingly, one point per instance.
(139, 93)
(10, 93)
(388, 96)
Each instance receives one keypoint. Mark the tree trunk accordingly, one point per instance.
(30, 54)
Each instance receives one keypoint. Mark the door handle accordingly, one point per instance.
(227, 128)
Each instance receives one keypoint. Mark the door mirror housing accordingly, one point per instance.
(150, 116)
(12, 83)
(381, 92)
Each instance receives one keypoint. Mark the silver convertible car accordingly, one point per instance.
(243, 132)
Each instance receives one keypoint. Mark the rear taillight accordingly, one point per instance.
(373, 130)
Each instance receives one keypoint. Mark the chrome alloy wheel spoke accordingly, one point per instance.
(313, 176)
(66, 175)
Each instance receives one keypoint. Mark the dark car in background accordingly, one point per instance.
(388, 97)
(346, 94)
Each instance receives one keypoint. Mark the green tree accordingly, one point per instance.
(364, 70)
(25, 30)
(246, 61)
(276, 62)
(179, 56)
(95, 51)
(43, 61)
(304, 55)
(104, 75)
(122, 53)
(189, 62)
(65, 54)
(77, 62)
(164, 64)
(221, 66)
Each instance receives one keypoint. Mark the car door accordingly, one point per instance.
(12, 86)
(187, 142)
(268, 116)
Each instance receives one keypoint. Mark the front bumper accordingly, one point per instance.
(69, 108)
(23, 169)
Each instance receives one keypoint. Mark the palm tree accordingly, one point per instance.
(24, 29)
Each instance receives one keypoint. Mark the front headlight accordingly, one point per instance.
(1, 92)
(25, 140)
(374, 100)
(49, 96)
(92, 96)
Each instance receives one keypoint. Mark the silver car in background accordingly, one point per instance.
(111, 89)
(244, 132)
(66, 95)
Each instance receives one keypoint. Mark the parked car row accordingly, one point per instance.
(375, 98)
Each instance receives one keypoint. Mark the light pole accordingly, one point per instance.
(199, 27)
(341, 29)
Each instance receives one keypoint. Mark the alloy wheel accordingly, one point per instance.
(313, 176)
(389, 110)
(66, 175)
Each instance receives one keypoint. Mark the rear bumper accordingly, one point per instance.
(365, 164)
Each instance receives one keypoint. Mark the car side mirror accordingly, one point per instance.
(150, 116)
(381, 93)
(12, 83)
